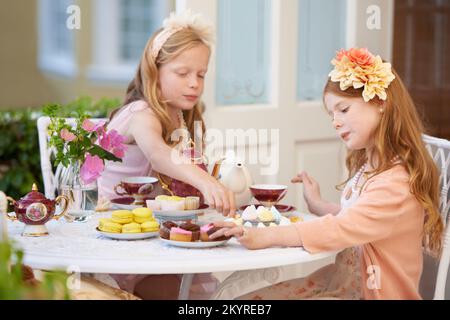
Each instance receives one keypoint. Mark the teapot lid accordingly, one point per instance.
(34, 195)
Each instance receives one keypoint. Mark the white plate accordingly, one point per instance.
(125, 206)
(196, 244)
(178, 213)
(128, 236)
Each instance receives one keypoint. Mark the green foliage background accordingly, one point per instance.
(19, 145)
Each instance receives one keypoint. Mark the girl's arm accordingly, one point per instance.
(146, 130)
(313, 199)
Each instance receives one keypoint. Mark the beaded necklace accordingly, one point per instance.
(358, 175)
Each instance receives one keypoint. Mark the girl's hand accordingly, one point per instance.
(311, 190)
(218, 197)
(251, 238)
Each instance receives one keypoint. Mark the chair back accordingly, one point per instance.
(440, 151)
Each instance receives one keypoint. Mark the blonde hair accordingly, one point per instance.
(399, 133)
(144, 85)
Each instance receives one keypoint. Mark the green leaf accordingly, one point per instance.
(103, 154)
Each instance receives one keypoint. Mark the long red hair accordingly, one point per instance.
(399, 133)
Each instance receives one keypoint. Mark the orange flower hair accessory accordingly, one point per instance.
(358, 68)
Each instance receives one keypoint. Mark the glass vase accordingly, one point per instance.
(82, 197)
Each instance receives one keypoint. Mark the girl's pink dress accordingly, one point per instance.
(134, 162)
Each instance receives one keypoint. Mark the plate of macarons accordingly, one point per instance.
(137, 224)
(176, 207)
(190, 235)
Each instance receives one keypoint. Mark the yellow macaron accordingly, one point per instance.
(131, 228)
(122, 216)
(141, 215)
(107, 225)
(150, 226)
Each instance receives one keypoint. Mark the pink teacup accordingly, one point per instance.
(137, 187)
(268, 194)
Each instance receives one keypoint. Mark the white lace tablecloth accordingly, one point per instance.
(79, 247)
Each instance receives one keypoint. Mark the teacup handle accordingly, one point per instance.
(282, 194)
(164, 185)
(66, 205)
(13, 202)
(120, 193)
(146, 188)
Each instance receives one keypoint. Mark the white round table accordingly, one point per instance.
(78, 246)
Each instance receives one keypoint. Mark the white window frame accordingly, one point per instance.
(107, 66)
(49, 61)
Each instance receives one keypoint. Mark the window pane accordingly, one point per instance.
(61, 38)
(243, 52)
(138, 20)
(321, 33)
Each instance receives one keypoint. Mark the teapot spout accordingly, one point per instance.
(216, 168)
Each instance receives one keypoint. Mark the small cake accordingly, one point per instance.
(178, 234)
(172, 203)
(192, 203)
(132, 227)
(164, 231)
(195, 229)
(261, 225)
(141, 215)
(107, 225)
(209, 229)
(250, 214)
(264, 214)
(248, 224)
(122, 216)
(153, 204)
(150, 226)
(276, 214)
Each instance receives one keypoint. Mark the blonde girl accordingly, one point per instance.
(165, 95)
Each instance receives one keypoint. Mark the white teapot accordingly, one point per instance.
(234, 175)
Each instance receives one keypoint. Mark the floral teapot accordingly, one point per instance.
(234, 175)
(34, 210)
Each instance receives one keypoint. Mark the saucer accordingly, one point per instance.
(128, 236)
(282, 208)
(181, 213)
(126, 203)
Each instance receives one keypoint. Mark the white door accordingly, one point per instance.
(303, 138)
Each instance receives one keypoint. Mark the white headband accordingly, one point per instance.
(175, 23)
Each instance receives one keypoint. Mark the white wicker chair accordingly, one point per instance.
(46, 152)
(440, 151)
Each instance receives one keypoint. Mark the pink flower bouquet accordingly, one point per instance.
(88, 143)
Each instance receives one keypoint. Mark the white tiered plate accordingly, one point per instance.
(179, 213)
(195, 244)
(128, 236)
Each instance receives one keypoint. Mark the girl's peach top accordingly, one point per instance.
(387, 222)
